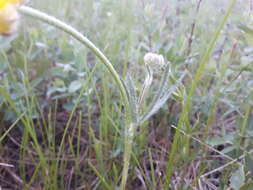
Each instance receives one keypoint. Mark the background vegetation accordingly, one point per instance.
(61, 115)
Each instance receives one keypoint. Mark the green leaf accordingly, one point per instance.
(132, 96)
(221, 140)
(246, 29)
(247, 186)
(248, 33)
(74, 86)
(237, 179)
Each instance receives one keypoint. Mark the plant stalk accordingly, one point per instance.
(129, 129)
(184, 120)
(36, 14)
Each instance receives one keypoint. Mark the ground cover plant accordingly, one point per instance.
(163, 100)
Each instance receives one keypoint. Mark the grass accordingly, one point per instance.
(63, 122)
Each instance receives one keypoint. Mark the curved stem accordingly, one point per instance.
(86, 42)
(79, 37)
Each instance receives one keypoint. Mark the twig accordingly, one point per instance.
(192, 30)
(204, 144)
(12, 174)
(6, 165)
(227, 164)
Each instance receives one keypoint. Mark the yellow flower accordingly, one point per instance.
(9, 16)
(3, 3)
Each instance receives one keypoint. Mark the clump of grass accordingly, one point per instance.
(132, 120)
(77, 132)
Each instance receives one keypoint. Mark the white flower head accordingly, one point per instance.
(109, 14)
(154, 60)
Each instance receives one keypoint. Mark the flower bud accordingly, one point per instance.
(154, 60)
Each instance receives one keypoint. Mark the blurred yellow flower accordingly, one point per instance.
(9, 16)
(3, 3)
